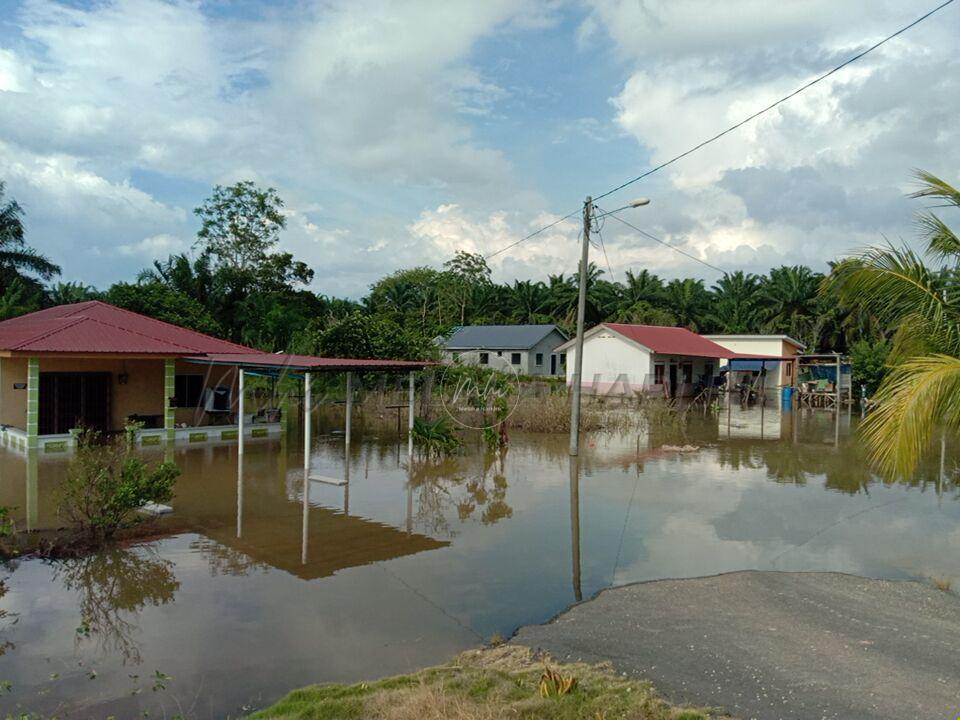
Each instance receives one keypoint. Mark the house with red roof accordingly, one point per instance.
(93, 365)
(620, 359)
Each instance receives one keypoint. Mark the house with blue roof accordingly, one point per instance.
(525, 349)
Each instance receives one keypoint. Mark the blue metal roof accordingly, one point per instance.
(499, 337)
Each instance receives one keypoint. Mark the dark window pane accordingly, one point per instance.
(187, 390)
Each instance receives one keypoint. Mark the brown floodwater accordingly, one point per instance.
(247, 592)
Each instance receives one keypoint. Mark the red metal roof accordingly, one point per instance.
(94, 328)
(670, 340)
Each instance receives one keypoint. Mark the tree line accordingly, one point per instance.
(237, 285)
(896, 312)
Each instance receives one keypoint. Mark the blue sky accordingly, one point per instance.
(399, 132)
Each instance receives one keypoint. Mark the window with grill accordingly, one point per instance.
(515, 359)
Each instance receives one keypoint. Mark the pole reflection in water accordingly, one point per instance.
(32, 490)
(409, 497)
(575, 523)
(239, 495)
(306, 516)
(346, 481)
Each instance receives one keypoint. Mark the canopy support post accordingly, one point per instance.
(410, 398)
(241, 410)
(306, 429)
(346, 427)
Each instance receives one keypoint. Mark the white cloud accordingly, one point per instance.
(156, 246)
(700, 67)
(368, 117)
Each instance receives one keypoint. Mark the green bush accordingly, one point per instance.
(107, 483)
(868, 362)
(436, 437)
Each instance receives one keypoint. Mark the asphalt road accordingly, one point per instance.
(775, 646)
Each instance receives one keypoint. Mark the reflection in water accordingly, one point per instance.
(575, 524)
(283, 581)
(113, 586)
(442, 485)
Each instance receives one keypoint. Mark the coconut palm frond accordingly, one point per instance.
(932, 186)
(942, 242)
(916, 397)
(893, 283)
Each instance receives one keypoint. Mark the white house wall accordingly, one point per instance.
(500, 359)
(777, 374)
(615, 366)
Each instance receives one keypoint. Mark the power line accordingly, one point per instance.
(782, 100)
(719, 135)
(533, 234)
(665, 243)
(606, 259)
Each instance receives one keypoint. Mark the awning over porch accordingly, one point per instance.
(279, 362)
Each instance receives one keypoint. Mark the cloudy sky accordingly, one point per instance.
(400, 131)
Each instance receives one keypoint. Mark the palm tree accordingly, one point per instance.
(642, 286)
(15, 255)
(528, 300)
(70, 292)
(736, 303)
(18, 297)
(922, 390)
(689, 301)
(789, 298)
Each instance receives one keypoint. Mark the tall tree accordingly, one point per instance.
(736, 303)
(240, 224)
(689, 301)
(789, 296)
(528, 302)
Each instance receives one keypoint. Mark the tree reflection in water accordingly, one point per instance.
(6, 618)
(441, 486)
(226, 560)
(113, 586)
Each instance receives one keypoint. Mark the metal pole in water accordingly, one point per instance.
(575, 525)
(240, 496)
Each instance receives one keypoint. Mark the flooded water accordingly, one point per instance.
(249, 591)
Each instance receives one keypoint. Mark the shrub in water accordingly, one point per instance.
(107, 482)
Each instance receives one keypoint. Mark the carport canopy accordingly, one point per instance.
(279, 363)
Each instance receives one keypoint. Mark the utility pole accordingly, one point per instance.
(581, 312)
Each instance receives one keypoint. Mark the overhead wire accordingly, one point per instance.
(665, 243)
(533, 234)
(721, 134)
(782, 100)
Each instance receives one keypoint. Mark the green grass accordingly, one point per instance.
(498, 682)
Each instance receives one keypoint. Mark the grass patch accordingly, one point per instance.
(496, 682)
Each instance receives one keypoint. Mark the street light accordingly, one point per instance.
(581, 311)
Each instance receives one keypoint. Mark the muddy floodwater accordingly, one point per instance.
(251, 587)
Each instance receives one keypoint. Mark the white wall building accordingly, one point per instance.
(777, 373)
(627, 359)
(527, 349)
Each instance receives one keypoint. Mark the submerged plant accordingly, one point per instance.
(107, 482)
(435, 437)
